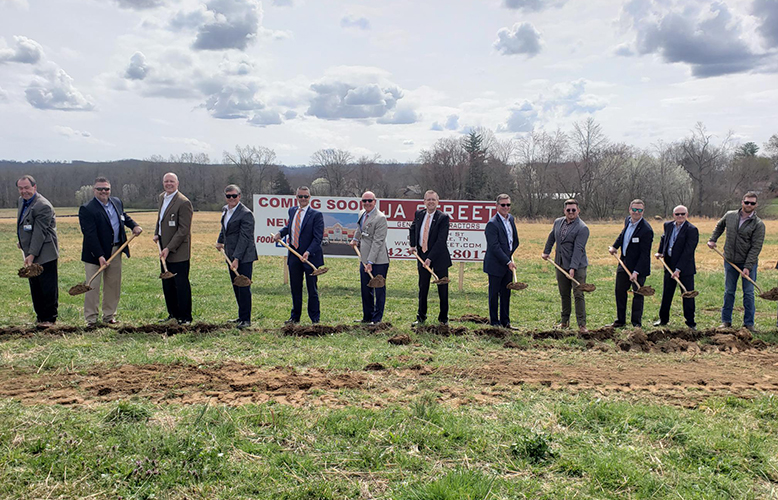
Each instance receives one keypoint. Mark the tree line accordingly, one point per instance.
(539, 170)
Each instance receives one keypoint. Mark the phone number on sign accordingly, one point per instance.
(407, 252)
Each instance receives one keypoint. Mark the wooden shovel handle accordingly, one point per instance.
(162, 259)
(428, 268)
(297, 254)
(229, 262)
(113, 256)
(564, 272)
(671, 274)
(738, 270)
(360, 259)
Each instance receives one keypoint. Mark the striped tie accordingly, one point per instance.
(296, 234)
(425, 235)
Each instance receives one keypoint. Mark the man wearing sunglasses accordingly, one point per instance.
(677, 246)
(305, 229)
(570, 234)
(745, 237)
(236, 237)
(502, 239)
(102, 221)
(634, 245)
(370, 237)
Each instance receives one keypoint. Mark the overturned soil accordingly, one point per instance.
(297, 330)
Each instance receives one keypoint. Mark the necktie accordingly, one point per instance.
(426, 234)
(296, 235)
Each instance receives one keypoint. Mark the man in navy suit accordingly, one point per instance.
(102, 221)
(429, 238)
(635, 244)
(305, 230)
(237, 239)
(502, 240)
(677, 246)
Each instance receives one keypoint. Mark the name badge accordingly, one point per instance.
(121, 217)
(27, 227)
(364, 233)
(635, 240)
(171, 223)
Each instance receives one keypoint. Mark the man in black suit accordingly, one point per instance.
(102, 221)
(635, 244)
(502, 240)
(429, 238)
(305, 229)
(677, 246)
(237, 239)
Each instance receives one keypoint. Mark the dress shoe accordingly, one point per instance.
(637, 325)
(111, 322)
(290, 321)
(167, 320)
(562, 326)
(443, 322)
(418, 322)
(692, 328)
(184, 322)
(91, 324)
(583, 329)
(243, 325)
(362, 321)
(750, 328)
(659, 322)
(236, 320)
(616, 324)
(725, 325)
(45, 324)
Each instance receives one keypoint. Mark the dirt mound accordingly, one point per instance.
(493, 331)
(604, 333)
(172, 328)
(312, 330)
(443, 330)
(378, 327)
(374, 367)
(400, 339)
(472, 318)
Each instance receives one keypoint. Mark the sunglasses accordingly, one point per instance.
(230, 196)
(102, 189)
(505, 204)
(680, 214)
(368, 201)
(638, 210)
(303, 196)
(749, 203)
(571, 210)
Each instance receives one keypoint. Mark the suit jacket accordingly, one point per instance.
(437, 241)
(498, 255)
(238, 238)
(175, 229)
(372, 238)
(311, 234)
(37, 230)
(683, 249)
(638, 256)
(570, 251)
(98, 231)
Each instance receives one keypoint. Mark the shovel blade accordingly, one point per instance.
(241, 281)
(79, 289)
(517, 285)
(30, 271)
(167, 275)
(645, 291)
(587, 287)
(319, 271)
(770, 294)
(690, 294)
(442, 281)
(377, 282)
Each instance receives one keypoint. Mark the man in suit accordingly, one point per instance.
(102, 222)
(37, 237)
(305, 229)
(677, 246)
(429, 238)
(635, 244)
(370, 237)
(502, 239)
(570, 234)
(237, 239)
(174, 232)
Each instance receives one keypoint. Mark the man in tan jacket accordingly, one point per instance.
(174, 233)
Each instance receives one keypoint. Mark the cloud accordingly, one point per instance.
(532, 5)
(3, 95)
(408, 142)
(140, 4)
(521, 118)
(705, 36)
(767, 11)
(137, 69)
(71, 133)
(26, 51)
(623, 50)
(283, 3)
(352, 22)
(191, 20)
(189, 141)
(266, 117)
(452, 123)
(522, 39)
(234, 26)
(354, 92)
(234, 100)
(403, 116)
(53, 88)
(570, 98)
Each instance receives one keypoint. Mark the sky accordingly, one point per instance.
(103, 80)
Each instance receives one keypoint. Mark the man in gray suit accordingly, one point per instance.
(370, 237)
(37, 234)
(237, 239)
(570, 235)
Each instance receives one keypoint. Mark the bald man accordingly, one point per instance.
(677, 246)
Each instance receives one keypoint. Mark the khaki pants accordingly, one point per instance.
(565, 287)
(112, 287)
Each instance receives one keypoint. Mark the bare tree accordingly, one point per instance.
(673, 185)
(335, 166)
(534, 154)
(367, 177)
(444, 168)
(703, 160)
(254, 165)
(587, 142)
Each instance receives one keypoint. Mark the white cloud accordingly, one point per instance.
(234, 100)
(283, 3)
(53, 88)
(532, 5)
(265, 117)
(189, 141)
(350, 21)
(137, 69)
(523, 38)
(521, 118)
(235, 25)
(140, 4)
(403, 116)
(452, 123)
(26, 51)
(72, 133)
(3, 95)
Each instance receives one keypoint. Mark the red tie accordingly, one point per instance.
(425, 236)
(296, 233)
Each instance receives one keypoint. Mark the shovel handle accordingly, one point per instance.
(162, 259)
(634, 283)
(360, 259)
(671, 274)
(229, 262)
(297, 254)
(113, 256)
(564, 272)
(428, 268)
(738, 270)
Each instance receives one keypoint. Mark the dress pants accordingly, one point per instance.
(424, 288)
(178, 291)
(623, 284)
(242, 293)
(565, 287)
(500, 294)
(44, 290)
(668, 290)
(111, 280)
(373, 299)
(298, 269)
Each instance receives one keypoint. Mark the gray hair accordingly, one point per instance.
(232, 187)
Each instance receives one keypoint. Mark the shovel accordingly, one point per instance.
(239, 280)
(167, 274)
(86, 286)
(584, 287)
(645, 291)
(516, 284)
(30, 271)
(438, 281)
(770, 295)
(686, 293)
(375, 282)
(316, 270)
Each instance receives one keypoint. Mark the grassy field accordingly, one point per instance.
(257, 414)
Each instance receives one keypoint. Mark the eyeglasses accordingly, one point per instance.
(102, 189)
(638, 210)
(231, 196)
(505, 204)
(368, 201)
(680, 214)
(749, 203)
(303, 196)
(571, 210)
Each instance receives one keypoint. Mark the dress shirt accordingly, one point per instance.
(673, 236)
(506, 221)
(228, 215)
(423, 225)
(25, 205)
(165, 204)
(628, 235)
(743, 219)
(110, 211)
